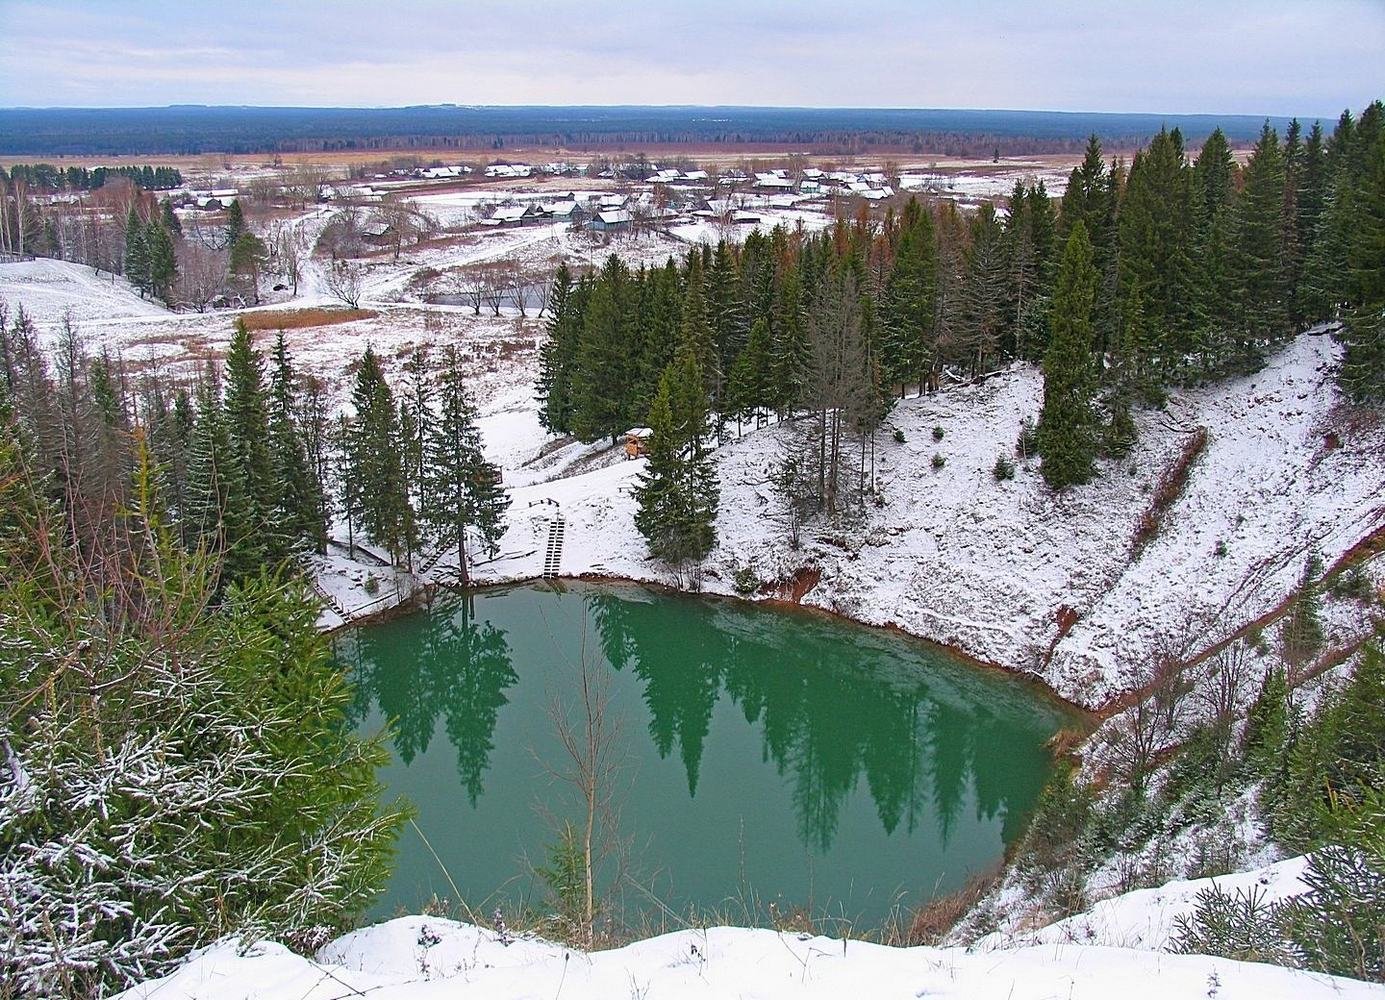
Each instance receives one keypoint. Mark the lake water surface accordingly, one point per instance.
(768, 755)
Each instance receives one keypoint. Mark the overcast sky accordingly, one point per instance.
(1309, 57)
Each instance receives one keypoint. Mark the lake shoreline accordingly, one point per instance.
(423, 597)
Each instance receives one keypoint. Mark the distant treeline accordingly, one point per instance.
(46, 177)
(200, 129)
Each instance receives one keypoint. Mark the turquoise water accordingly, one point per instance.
(765, 755)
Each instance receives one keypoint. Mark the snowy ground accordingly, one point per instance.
(418, 958)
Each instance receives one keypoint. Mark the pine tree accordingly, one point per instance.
(461, 490)
(1067, 423)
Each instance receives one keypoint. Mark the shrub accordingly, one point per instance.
(937, 433)
(1352, 584)
(1338, 925)
(938, 461)
(1004, 469)
(1243, 927)
(1028, 442)
(371, 585)
(745, 581)
(899, 435)
(1220, 550)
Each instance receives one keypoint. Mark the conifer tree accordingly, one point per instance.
(1260, 292)
(791, 352)
(1067, 423)
(220, 519)
(1211, 308)
(235, 224)
(373, 463)
(1363, 367)
(909, 350)
(677, 493)
(461, 490)
(136, 262)
(601, 382)
(749, 391)
(161, 265)
(298, 489)
(558, 354)
(247, 424)
(170, 218)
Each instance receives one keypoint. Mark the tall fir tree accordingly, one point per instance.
(677, 493)
(374, 464)
(136, 261)
(299, 496)
(1067, 429)
(248, 432)
(1260, 292)
(461, 490)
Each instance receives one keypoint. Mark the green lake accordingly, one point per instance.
(767, 756)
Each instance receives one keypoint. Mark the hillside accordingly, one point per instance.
(1008, 572)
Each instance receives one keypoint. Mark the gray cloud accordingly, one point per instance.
(1246, 56)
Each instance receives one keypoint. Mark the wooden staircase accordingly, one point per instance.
(553, 556)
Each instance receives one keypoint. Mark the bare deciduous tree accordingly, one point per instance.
(590, 736)
(201, 273)
(344, 281)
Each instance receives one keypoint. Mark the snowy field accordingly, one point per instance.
(420, 958)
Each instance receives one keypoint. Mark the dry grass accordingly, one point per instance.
(298, 319)
(1167, 492)
(934, 919)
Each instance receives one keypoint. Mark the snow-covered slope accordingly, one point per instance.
(1010, 572)
(48, 288)
(420, 958)
(1145, 918)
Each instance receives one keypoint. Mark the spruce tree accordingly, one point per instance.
(908, 349)
(1067, 423)
(1260, 290)
(170, 218)
(461, 490)
(791, 351)
(298, 491)
(602, 386)
(557, 356)
(247, 429)
(374, 466)
(136, 263)
(1363, 366)
(161, 261)
(235, 224)
(677, 493)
